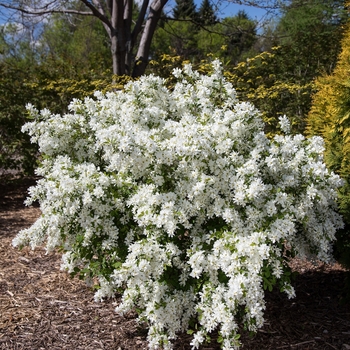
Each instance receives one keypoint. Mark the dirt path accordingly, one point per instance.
(42, 308)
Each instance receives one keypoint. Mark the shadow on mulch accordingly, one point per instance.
(42, 308)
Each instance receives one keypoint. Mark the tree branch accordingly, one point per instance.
(205, 28)
(97, 13)
(140, 19)
(45, 11)
(147, 35)
(263, 4)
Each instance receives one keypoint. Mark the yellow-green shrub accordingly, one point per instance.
(261, 80)
(47, 88)
(330, 118)
(264, 81)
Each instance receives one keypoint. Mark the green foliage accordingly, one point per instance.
(20, 85)
(185, 9)
(279, 80)
(16, 152)
(78, 44)
(72, 58)
(230, 39)
(264, 81)
(330, 118)
(259, 80)
(175, 38)
(69, 61)
(16, 64)
(311, 31)
(206, 13)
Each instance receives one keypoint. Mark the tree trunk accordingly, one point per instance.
(127, 25)
(118, 37)
(142, 55)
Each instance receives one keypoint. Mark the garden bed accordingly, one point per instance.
(41, 307)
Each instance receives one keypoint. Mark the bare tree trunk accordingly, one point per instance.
(135, 33)
(142, 55)
(127, 25)
(118, 39)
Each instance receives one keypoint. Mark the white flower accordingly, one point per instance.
(197, 340)
(177, 72)
(284, 124)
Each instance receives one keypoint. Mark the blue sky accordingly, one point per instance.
(229, 9)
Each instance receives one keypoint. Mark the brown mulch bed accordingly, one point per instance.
(41, 307)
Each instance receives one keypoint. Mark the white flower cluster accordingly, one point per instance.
(178, 199)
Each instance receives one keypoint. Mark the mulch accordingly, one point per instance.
(41, 307)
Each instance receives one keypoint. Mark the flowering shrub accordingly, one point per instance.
(178, 200)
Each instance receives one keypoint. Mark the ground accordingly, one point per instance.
(41, 307)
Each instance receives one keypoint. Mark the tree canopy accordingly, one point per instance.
(116, 16)
(129, 37)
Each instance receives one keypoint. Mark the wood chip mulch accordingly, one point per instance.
(41, 307)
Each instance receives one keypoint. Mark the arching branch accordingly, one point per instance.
(44, 10)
